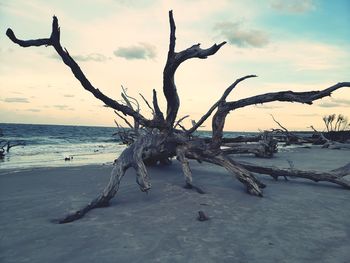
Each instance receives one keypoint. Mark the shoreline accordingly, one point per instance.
(106, 159)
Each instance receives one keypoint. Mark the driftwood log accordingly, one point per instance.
(265, 147)
(6, 145)
(330, 139)
(159, 139)
(326, 143)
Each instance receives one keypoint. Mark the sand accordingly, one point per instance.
(296, 221)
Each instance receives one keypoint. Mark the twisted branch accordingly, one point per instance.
(54, 41)
(216, 104)
(335, 176)
(173, 61)
(307, 97)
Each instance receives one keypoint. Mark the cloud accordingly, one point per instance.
(60, 107)
(69, 95)
(335, 103)
(292, 6)
(264, 106)
(16, 100)
(234, 33)
(135, 3)
(96, 57)
(34, 110)
(307, 114)
(141, 51)
(342, 102)
(328, 105)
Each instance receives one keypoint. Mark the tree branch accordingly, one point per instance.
(28, 43)
(172, 41)
(54, 41)
(290, 96)
(301, 97)
(148, 105)
(124, 119)
(159, 114)
(222, 99)
(173, 61)
(180, 120)
(335, 176)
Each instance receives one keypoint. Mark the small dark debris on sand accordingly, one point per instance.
(202, 216)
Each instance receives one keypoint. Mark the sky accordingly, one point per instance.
(295, 45)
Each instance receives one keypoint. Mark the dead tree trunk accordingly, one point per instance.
(159, 139)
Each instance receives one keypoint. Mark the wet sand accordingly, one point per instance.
(295, 221)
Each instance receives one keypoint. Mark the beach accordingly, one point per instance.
(97, 129)
(295, 221)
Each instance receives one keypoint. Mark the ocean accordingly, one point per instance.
(49, 145)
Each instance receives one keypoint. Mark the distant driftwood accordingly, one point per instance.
(263, 145)
(330, 144)
(5, 145)
(330, 139)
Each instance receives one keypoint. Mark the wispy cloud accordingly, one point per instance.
(293, 6)
(328, 105)
(141, 51)
(241, 37)
(96, 57)
(63, 107)
(335, 103)
(68, 95)
(342, 102)
(60, 107)
(135, 3)
(307, 114)
(265, 106)
(34, 110)
(16, 100)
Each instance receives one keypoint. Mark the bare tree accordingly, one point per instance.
(341, 122)
(159, 138)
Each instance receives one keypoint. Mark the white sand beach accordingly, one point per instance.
(295, 221)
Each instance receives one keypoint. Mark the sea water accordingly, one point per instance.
(50, 145)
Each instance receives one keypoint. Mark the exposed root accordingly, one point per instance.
(108, 193)
(130, 157)
(142, 178)
(334, 176)
(253, 185)
(186, 169)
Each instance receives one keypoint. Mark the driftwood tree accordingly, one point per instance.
(160, 139)
(6, 145)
